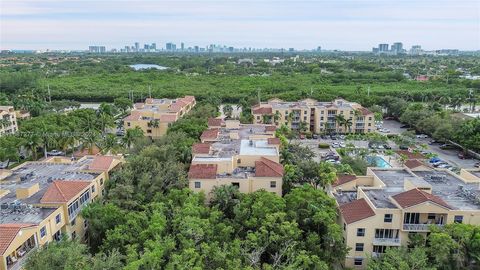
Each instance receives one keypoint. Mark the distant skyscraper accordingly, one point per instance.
(319, 48)
(170, 46)
(137, 46)
(182, 46)
(397, 47)
(196, 49)
(153, 46)
(97, 49)
(383, 47)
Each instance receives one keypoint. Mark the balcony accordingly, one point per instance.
(16, 260)
(420, 227)
(386, 241)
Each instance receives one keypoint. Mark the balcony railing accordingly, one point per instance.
(386, 241)
(420, 227)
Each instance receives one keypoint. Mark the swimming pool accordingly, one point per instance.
(378, 162)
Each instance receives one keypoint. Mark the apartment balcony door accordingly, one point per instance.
(411, 218)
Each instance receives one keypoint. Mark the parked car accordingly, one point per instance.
(315, 136)
(335, 145)
(444, 166)
(55, 153)
(463, 156)
(435, 159)
(403, 147)
(446, 146)
(432, 142)
(477, 165)
(405, 126)
(386, 146)
(422, 136)
(343, 144)
(342, 137)
(120, 133)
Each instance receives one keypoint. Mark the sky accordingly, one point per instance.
(301, 24)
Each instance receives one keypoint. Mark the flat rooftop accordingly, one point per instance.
(43, 173)
(345, 197)
(452, 190)
(393, 179)
(226, 147)
(22, 213)
(381, 198)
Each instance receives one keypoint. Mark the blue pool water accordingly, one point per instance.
(378, 162)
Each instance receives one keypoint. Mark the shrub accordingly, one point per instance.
(323, 145)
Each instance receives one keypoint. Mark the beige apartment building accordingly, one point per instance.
(230, 153)
(382, 208)
(41, 201)
(8, 120)
(154, 116)
(316, 117)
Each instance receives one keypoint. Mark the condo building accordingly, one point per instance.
(41, 201)
(154, 116)
(230, 153)
(338, 116)
(8, 120)
(383, 208)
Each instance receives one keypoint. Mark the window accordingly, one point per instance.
(458, 219)
(322, 112)
(388, 218)
(344, 226)
(85, 223)
(431, 216)
(128, 124)
(236, 184)
(58, 218)
(239, 161)
(273, 184)
(361, 232)
(304, 118)
(74, 235)
(149, 131)
(73, 222)
(198, 184)
(43, 232)
(359, 247)
(370, 118)
(258, 117)
(357, 261)
(369, 124)
(93, 189)
(351, 112)
(321, 118)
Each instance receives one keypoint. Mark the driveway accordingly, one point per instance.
(450, 155)
(394, 126)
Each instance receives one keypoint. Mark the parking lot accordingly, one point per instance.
(393, 126)
(448, 155)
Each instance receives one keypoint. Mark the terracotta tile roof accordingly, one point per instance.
(416, 196)
(202, 171)
(63, 191)
(176, 107)
(215, 122)
(344, 178)
(201, 148)
(101, 163)
(413, 163)
(139, 105)
(168, 118)
(356, 210)
(262, 110)
(85, 152)
(189, 98)
(364, 111)
(270, 128)
(275, 141)
(210, 134)
(8, 232)
(133, 116)
(410, 155)
(267, 168)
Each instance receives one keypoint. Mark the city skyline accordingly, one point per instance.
(342, 25)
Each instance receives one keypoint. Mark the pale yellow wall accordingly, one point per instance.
(468, 176)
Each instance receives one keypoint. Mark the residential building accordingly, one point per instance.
(384, 207)
(154, 116)
(230, 153)
(338, 116)
(383, 47)
(41, 201)
(8, 120)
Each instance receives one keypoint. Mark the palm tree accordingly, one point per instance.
(277, 117)
(32, 142)
(347, 124)
(302, 126)
(106, 120)
(131, 136)
(340, 119)
(227, 110)
(290, 118)
(266, 119)
(110, 144)
(90, 140)
(154, 123)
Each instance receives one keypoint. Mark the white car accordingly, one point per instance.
(342, 144)
(385, 130)
(422, 136)
(55, 153)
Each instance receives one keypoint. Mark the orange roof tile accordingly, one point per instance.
(344, 178)
(262, 110)
(101, 163)
(270, 128)
(267, 168)
(364, 111)
(413, 163)
(209, 134)
(356, 210)
(201, 148)
(8, 232)
(168, 118)
(189, 98)
(416, 196)
(215, 122)
(134, 115)
(202, 171)
(273, 141)
(63, 191)
(85, 152)
(175, 107)
(410, 155)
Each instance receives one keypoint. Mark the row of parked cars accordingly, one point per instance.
(438, 163)
(331, 157)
